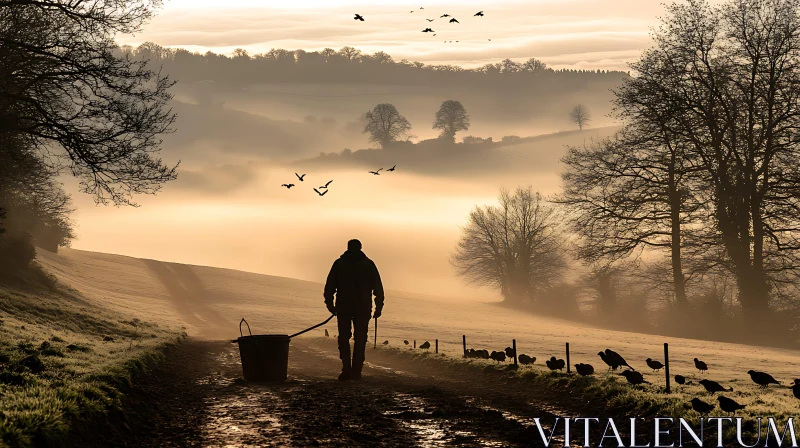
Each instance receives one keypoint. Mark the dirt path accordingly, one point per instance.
(197, 398)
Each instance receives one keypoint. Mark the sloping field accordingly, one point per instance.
(211, 301)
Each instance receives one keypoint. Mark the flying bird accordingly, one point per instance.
(479, 14)
(326, 185)
(358, 17)
(453, 20)
(444, 15)
(300, 177)
(377, 173)
(287, 185)
(427, 30)
(392, 168)
(429, 20)
(321, 194)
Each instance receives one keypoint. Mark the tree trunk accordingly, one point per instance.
(678, 280)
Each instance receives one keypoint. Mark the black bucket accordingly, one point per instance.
(265, 357)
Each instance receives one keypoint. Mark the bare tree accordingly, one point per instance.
(349, 53)
(384, 124)
(65, 89)
(728, 76)
(580, 116)
(451, 118)
(515, 246)
(631, 193)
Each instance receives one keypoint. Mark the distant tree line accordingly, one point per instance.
(350, 65)
(695, 204)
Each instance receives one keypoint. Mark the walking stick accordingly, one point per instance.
(375, 344)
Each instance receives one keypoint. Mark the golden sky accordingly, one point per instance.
(564, 33)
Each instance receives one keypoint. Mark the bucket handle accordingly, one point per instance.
(248, 327)
(311, 328)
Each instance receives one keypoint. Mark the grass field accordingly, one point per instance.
(65, 360)
(219, 298)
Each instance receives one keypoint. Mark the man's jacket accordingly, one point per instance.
(354, 278)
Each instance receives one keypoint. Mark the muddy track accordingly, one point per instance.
(197, 398)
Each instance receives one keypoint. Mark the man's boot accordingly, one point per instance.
(346, 371)
(355, 372)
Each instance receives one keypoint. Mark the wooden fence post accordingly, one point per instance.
(568, 370)
(415, 343)
(437, 346)
(514, 347)
(666, 363)
(464, 342)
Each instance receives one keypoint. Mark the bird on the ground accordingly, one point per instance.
(700, 365)
(680, 379)
(479, 14)
(287, 185)
(377, 173)
(603, 356)
(498, 356)
(584, 369)
(713, 386)
(509, 352)
(393, 166)
(405, 341)
(326, 185)
(655, 365)
(453, 20)
(386, 342)
(326, 333)
(425, 345)
(762, 379)
(728, 405)
(634, 377)
(358, 17)
(300, 177)
(616, 359)
(321, 194)
(796, 388)
(555, 364)
(701, 406)
(444, 15)
(427, 30)
(525, 359)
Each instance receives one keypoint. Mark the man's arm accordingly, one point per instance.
(377, 289)
(330, 289)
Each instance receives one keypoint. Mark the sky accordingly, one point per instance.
(587, 34)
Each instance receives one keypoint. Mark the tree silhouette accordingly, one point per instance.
(451, 118)
(580, 116)
(723, 80)
(71, 94)
(384, 124)
(515, 246)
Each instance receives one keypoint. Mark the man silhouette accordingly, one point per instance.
(353, 279)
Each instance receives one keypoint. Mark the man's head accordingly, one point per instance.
(354, 245)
